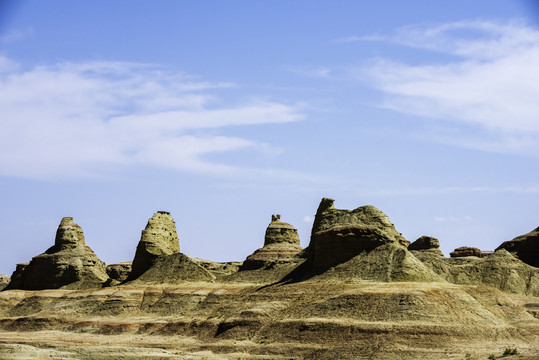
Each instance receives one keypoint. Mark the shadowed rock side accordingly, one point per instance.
(500, 270)
(360, 244)
(426, 243)
(525, 247)
(338, 235)
(281, 245)
(159, 238)
(69, 264)
(118, 272)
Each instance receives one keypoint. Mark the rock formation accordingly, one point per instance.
(69, 264)
(175, 268)
(118, 272)
(466, 251)
(338, 235)
(4, 281)
(158, 259)
(500, 270)
(525, 247)
(159, 238)
(281, 244)
(426, 243)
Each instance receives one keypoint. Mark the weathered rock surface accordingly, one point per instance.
(4, 281)
(159, 238)
(281, 245)
(69, 264)
(466, 251)
(175, 268)
(339, 235)
(315, 319)
(118, 272)
(219, 269)
(525, 247)
(500, 270)
(426, 243)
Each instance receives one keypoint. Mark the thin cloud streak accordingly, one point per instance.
(491, 86)
(80, 120)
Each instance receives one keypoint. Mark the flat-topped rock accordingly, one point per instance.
(525, 247)
(159, 238)
(466, 251)
(281, 245)
(338, 235)
(426, 243)
(68, 264)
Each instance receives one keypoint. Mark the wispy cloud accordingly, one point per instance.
(486, 92)
(14, 35)
(77, 120)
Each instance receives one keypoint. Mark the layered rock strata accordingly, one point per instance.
(68, 264)
(525, 247)
(500, 270)
(466, 251)
(159, 238)
(281, 245)
(426, 243)
(339, 235)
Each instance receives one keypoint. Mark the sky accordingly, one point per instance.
(226, 112)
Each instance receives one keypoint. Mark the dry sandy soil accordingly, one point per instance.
(312, 319)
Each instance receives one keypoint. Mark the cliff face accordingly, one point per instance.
(159, 238)
(339, 235)
(69, 263)
(524, 247)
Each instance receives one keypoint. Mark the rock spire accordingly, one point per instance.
(68, 264)
(281, 244)
(159, 238)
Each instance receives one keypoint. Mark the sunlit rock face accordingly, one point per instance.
(281, 244)
(339, 235)
(426, 243)
(69, 264)
(159, 238)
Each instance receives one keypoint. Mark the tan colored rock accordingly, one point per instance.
(500, 270)
(465, 251)
(69, 264)
(175, 268)
(118, 272)
(339, 235)
(159, 238)
(426, 243)
(4, 281)
(525, 247)
(281, 245)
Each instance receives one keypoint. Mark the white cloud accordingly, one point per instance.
(308, 219)
(487, 92)
(77, 120)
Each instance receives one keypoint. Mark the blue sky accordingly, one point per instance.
(225, 112)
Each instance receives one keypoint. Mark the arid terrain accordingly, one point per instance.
(359, 291)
